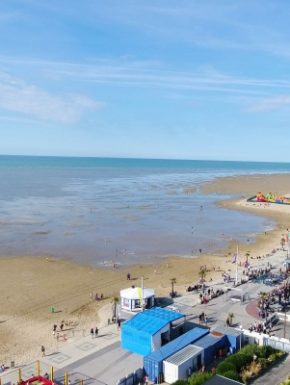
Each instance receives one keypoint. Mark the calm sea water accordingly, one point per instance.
(104, 211)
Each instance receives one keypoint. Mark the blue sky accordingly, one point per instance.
(181, 79)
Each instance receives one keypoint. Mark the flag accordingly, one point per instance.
(140, 293)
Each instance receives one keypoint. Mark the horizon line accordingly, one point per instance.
(141, 158)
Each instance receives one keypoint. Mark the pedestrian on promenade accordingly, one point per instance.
(43, 350)
(96, 331)
(92, 332)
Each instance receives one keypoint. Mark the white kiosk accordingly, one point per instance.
(136, 298)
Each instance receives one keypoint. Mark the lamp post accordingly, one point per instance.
(173, 281)
(241, 328)
(285, 317)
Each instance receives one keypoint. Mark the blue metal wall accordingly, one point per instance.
(137, 332)
(211, 345)
(233, 335)
(137, 341)
(234, 342)
(153, 363)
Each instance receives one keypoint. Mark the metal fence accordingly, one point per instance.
(278, 343)
(15, 375)
(282, 344)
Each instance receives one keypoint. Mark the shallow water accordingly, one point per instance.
(100, 211)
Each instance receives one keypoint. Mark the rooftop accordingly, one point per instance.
(152, 320)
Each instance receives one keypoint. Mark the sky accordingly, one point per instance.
(181, 79)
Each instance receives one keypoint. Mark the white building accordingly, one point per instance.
(134, 298)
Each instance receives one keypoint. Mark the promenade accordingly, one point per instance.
(100, 360)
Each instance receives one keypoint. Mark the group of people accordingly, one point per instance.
(94, 332)
(280, 295)
(259, 273)
(55, 329)
(208, 294)
(205, 294)
(261, 327)
(57, 332)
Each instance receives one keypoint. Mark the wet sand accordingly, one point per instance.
(247, 186)
(31, 285)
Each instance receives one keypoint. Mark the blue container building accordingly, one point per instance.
(149, 330)
(153, 363)
(211, 344)
(234, 337)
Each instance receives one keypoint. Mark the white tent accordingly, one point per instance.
(136, 298)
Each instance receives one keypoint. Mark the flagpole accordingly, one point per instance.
(142, 288)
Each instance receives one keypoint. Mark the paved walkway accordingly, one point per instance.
(276, 375)
(101, 360)
(68, 353)
(79, 348)
(252, 309)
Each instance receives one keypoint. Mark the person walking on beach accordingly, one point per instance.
(43, 350)
(92, 332)
(96, 331)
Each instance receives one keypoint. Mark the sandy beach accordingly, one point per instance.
(247, 186)
(30, 286)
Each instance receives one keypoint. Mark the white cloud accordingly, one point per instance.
(150, 74)
(270, 104)
(127, 72)
(18, 96)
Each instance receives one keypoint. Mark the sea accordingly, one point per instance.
(106, 211)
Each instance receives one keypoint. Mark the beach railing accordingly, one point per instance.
(278, 343)
(59, 376)
(15, 375)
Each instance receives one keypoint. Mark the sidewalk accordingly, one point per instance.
(71, 351)
(102, 357)
(276, 375)
(66, 353)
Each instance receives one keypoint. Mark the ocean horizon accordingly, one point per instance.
(102, 211)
